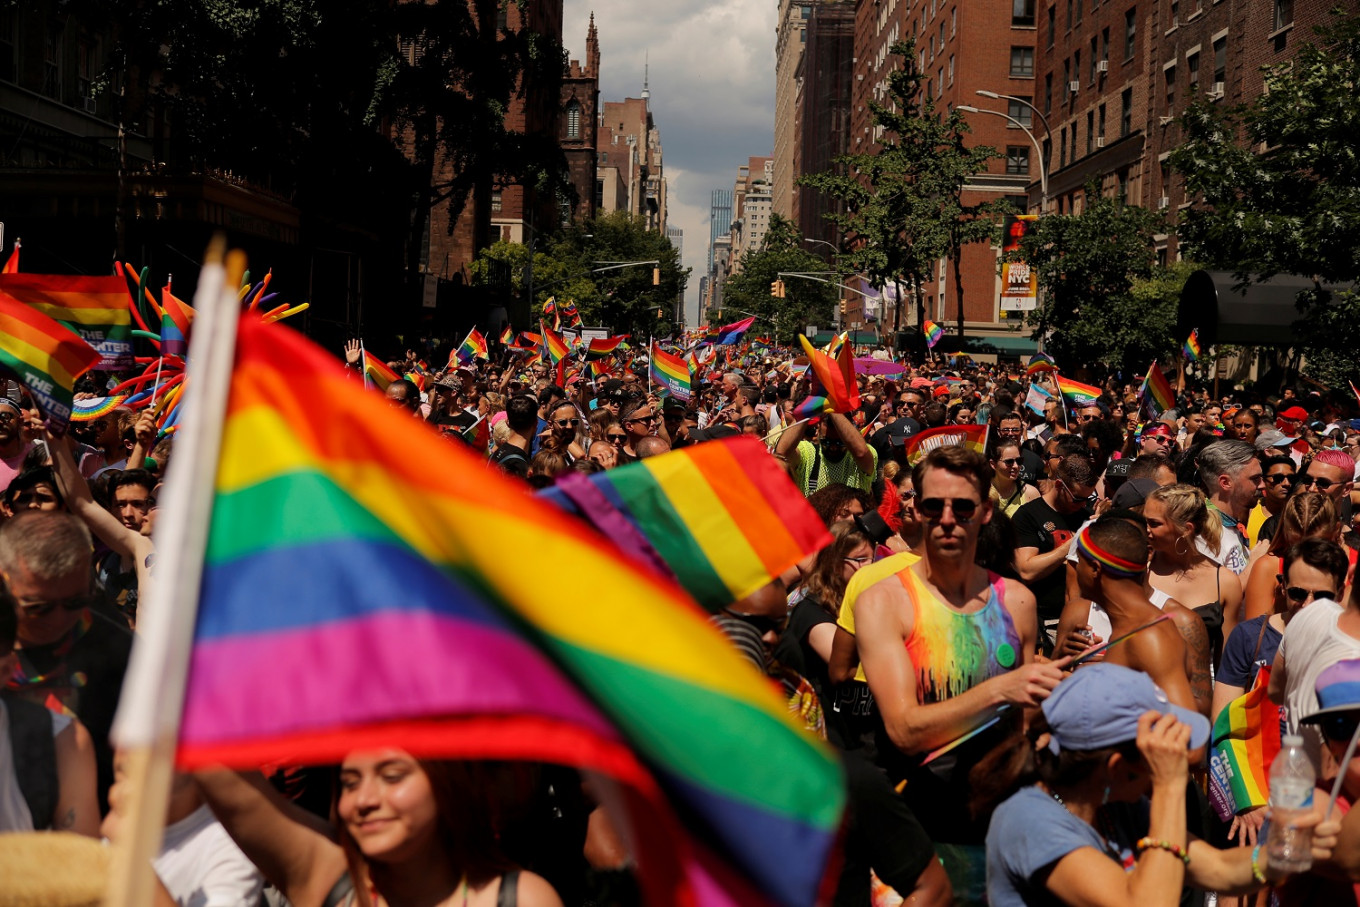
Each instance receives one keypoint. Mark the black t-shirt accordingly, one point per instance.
(1038, 525)
(1031, 467)
(512, 459)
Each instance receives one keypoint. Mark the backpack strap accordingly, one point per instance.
(509, 893)
(35, 758)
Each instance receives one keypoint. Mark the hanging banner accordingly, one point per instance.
(1019, 284)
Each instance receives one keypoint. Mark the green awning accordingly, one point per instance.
(858, 338)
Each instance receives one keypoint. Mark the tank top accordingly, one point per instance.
(953, 652)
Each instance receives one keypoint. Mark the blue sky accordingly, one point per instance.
(712, 85)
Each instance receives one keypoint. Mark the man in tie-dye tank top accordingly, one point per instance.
(945, 647)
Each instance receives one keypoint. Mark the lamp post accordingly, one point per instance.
(1048, 130)
(1039, 151)
(834, 249)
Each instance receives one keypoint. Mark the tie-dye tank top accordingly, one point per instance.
(954, 652)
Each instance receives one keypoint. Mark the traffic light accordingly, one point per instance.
(842, 308)
(656, 277)
(777, 289)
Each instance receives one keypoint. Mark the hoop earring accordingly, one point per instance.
(1180, 540)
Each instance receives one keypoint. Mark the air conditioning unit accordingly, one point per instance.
(1215, 91)
(1100, 141)
(1103, 66)
(1166, 121)
(89, 104)
(1074, 87)
(1163, 202)
(1175, 22)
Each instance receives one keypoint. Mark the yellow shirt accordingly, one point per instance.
(862, 580)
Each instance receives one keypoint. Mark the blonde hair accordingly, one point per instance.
(1187, 504)
(1307, 515)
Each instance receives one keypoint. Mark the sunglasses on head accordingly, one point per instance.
(759, 622)
(933, 508)
(1298, 594)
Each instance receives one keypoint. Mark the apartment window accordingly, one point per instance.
(807, 12)
(1169, 75)
(52, 62)
(953, 22)
(1069, 15)
(1284, 13)
(940, 81)
(1019, 112)
(1022, 62)
(1092, 74)
(1080, 4)
(573, 120)
(1126, 112)
(1123, 187)
(1173, 14)
(1062, 147)
(1221, 60)
(495, 201)
(1192, 65)
(1048, 152)
(1017, 160)
(1048, 93)
(941, 37)
(599, 195)
(1076, 66)
(1100, 122)
(1067, 78)
(1074, 143)
(951, 69)
(1090, 131)
(1130, 32)
(1105, 45)
(1052, 25)
(1022, 13)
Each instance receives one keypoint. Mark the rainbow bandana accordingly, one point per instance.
(1116, 566)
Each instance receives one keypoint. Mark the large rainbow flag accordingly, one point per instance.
(669, 371)
(1077, 393)
(933, 333)
(357, 561)
(602, 349)
(723, 516)
(94, 307)
(1244, 742)
(45, 356)
(974, 437)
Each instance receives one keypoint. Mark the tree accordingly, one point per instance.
(1087, 266)
(901, 208)
(805, 301)
(1278, 181)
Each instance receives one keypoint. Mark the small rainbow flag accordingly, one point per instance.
(555, 344)
(974, 437)
(670, 372)
(1077, 393)
(376, 372)
(418, 378)
(1191, 348)
(94, 307)
(1156, 392)
(95, 407)
(1040, 362)
(372, 560)
(1245, 741)
(573, 318)
(812, 405)
(507, 336)
(44, 355)
(723, 517)
(837, 376)
(933, 333)
(732, 333)
(173, 342)
(602, 349)
(472, 347)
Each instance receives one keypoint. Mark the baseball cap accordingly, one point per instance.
(1273, 437)
(1338, 690)
(898, 431)
(1118, 469)
(1100, 705)
(1133, 493)
(1295, 414)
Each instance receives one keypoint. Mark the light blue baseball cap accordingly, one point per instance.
(1099, 706)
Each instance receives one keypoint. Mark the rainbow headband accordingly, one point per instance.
(1117, 567)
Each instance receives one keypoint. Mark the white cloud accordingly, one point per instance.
(711, 74)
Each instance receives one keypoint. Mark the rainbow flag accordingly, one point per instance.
(1075, 392)
(472, 347)
(837, 375)
(933, 333)
(723, 517)
(670, 372)
(173, 342)
(478, 436)
(1156, 392)
(974, 437)
(812, 405)
(44, 355)
(376, 372)
(573, 318)
(599, 370)
(12, 263)
(95, 407)
(555, 344)
(507, 336)
(1244, 742)
(602, 349)
(1191, 348)
(1040, 362)
(94, 307)
(732, 333)
(364, 572)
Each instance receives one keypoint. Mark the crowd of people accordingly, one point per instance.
(1018, 652)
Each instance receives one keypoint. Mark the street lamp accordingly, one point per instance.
(834, 249)
(1043, 169)
(1048, 133)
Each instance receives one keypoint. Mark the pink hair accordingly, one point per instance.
(1331, 456)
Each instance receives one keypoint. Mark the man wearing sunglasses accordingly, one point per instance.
(1278, 476)
(1043, 531)
(1318, 632)
(1331, 472)
(943, 643)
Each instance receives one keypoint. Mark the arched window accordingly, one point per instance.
(573, 120)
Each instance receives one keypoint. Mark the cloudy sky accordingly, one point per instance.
(712, 84)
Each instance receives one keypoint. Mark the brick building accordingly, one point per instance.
(962, 48)
(631, 174)
(825, 82)
(579, 127)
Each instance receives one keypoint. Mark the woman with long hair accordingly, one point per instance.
(1063, 832)
(564, 432)
(1180, 532)
(1307, 515)
(1007, 491)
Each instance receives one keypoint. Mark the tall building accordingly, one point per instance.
(826, 79)
(790, 36)
(752, 207)
(632, 174)
(578, 129)
(962, 48)
(719, 218)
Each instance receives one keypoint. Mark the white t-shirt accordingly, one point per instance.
(1312, 643)
(14, 812)
(201, 866)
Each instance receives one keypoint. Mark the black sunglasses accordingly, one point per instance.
(616, 437)
(933, 508)
(566, 423)
(1279, 477)
(760, 622)
(1340, 728)
(1311, 482)
(1299, 594)
(1009, 461)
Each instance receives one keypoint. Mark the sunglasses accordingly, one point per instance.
(1310, 482)
(1280, 477)
(566, 423)
(933, 508)
(647, 419)
(42, 609)
(1340, 728)
(759, 622)
(616, 438)
(1090, 498)
(858, 561)
(1299, 595)
(1010, 461)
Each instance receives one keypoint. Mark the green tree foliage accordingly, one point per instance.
(624, 300)
(1279, 182)
(902, 208)
(805, 301)
(1088, 266)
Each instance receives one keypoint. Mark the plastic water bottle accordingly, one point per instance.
(1291, 796)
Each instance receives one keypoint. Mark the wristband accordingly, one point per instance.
(1257, 872)
(1176, 849)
